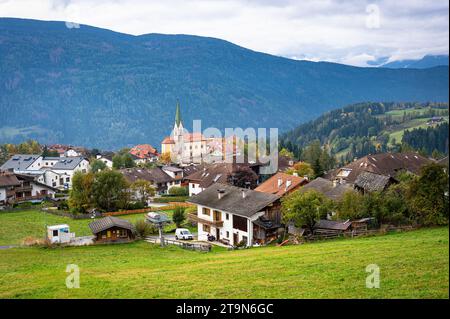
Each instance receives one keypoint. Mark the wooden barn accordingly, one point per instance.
(112, 229)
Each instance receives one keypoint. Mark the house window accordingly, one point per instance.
(227, 216)
(239, 223)
(55, 233)
(206, 211)
(206, 228)
(67, 179)
(228, 234)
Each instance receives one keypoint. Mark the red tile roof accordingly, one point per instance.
(143, 151)
(167, 140)
(281, 183)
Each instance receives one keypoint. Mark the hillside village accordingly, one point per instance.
(222, 201)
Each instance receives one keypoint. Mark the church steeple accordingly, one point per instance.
(178, 115)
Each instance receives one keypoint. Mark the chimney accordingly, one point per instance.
(280, 181)
(220, 193)
(288, 183)
(244, 194)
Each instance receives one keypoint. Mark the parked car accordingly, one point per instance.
(183, 233)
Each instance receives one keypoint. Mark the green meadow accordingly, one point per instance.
(412, 265)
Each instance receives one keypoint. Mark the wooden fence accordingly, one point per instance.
(169, 206)
(333, 234)
(204, 247)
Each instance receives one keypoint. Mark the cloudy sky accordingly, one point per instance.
(354, 32)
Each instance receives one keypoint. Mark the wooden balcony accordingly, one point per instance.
(194, 217)
(28, 198)
(20, 189)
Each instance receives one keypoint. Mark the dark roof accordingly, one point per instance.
(154, 175)
(8, 180)
(232, 201)
(68, 163)
(213, 173)
(372, 182)
(108, 222)
(333, 224)
(328, 188)
(19, 162)
(388, 164)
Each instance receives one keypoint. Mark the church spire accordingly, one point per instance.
(178, 114)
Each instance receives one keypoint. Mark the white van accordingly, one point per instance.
(183, 233)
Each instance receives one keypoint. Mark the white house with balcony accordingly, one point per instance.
(234, 215)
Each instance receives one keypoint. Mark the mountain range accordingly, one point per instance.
(428, 61)
(98, 88)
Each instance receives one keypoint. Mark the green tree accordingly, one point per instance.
(428, 196)
(301, 169)
(351, 206)
(97, 166)
(124, 160)
(178, 216)
(80, 196)
(305, 208)
(286, 153)
(142, 190)
(110, 190)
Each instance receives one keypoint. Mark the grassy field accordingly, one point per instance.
(412, 265)
(15, 226)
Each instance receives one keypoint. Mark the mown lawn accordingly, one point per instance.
(15, 226)
(412, 264)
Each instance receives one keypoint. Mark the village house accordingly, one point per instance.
(233, 215)
(16, 188)
(331, 189)
(209, 174)
(281, 184)
(368, 182)
(112, 229)
(53, 171)
(387, 164)
(106, 158)
(157, 177)
(144, 153)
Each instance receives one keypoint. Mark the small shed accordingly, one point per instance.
(332, 226)
(112, 229)
(59, 234)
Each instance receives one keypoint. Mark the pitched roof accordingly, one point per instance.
(156, 175)
(209, 174)
(383, 164)
(108, 222)
(232, 200)
(281, 183)
(8, 180)
(372, 182)
(19, 162)
(167, 140)
(68, 163)
(333, 224)
(328, 188)
(143, 151)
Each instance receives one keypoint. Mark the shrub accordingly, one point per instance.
(178, 216)
(143, 229)
(178, 191)
(168, 199)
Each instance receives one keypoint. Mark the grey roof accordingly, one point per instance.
(156, 175)
(326, 187)
(232, 200)
(108, 222)
(333, 224)
(172, 169)
(19, 162)
(372, 182)
(68, 163)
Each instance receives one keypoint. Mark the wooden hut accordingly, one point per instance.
(112, 229)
